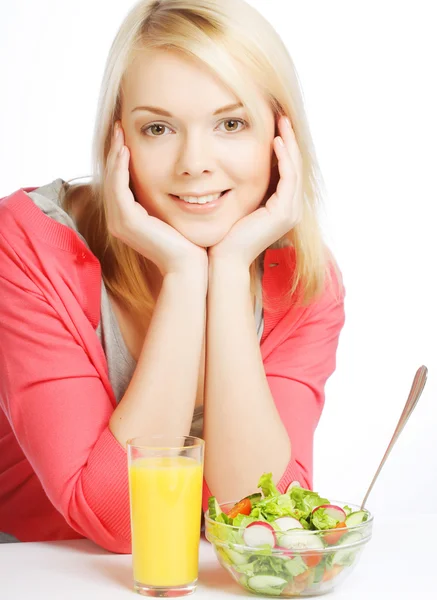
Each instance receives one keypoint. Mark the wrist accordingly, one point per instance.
(193, 275)
(228, 268)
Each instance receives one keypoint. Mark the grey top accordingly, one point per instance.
(121, 364)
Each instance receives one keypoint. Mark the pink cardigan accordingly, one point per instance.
(62, 473)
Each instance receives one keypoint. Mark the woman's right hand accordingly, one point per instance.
(129, 221)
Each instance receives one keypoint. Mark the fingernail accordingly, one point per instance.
(281, 142)
(117, 129)
(287, 120)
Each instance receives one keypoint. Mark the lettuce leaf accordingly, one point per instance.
(274, 507)
(244, 520)
(223, 518)
(296, 566)
(267, 486)
(321, 520)
(247, 569)
(319, 571)
(269, 565)
(306, 500)
(226, 534)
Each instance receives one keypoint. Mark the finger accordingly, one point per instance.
(117, 143)
(119, 195)
(289, 137)
(121, 173)
(287, 173)
(288, 192)
(118, 157)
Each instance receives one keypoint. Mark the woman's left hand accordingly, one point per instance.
(255, 232)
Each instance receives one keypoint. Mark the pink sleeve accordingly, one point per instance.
(297, 371)
(59, 411)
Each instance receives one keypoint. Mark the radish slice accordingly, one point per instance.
(286, 523)
(259, 533)
(292, 485)
(335, 512)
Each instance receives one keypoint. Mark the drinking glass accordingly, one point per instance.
(165, 489)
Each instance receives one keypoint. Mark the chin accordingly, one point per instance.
(204, 239)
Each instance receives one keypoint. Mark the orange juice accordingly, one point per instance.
(166, 504)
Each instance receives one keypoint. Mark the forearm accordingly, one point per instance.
(161, 395)
(244, 435)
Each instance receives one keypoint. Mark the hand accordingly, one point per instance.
(252, 234)
(129, 221)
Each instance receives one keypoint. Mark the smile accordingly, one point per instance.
(201, 199)
(201, 204)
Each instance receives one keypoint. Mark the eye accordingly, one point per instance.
(233, 125)
(156, 128)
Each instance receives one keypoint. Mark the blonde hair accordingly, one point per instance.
(243, 49)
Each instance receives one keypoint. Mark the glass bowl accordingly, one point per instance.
(302, 562)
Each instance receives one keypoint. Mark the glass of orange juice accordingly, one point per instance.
(165, 489)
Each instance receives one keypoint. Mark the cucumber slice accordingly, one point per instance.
(346, 556)
(243, 580)
(254, 498)
(318, 573)
(351, 537)
(262, 583)
(236, 557)
(221, 552)
(356, 518)
(267, 591)
(214, 509)
(301, 540)
(286, 523)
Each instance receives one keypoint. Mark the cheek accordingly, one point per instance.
(142, 164)
(251, 165)
(147, 173)
(253, 175)
(252, 170)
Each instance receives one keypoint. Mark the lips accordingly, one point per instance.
(199, 195)
(196, 207)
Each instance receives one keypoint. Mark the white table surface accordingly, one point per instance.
(399, 562)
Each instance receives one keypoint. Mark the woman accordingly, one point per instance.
(221, 306)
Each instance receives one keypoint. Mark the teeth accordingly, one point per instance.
(201, 200)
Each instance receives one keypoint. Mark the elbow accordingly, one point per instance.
(116, 545)
(108, 529)
(108, 539)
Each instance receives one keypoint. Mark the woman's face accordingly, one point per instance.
(190, 141)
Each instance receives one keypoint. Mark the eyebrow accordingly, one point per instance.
(165, 113)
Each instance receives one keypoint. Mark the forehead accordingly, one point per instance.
(180, 84)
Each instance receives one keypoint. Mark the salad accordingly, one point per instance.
(280, 544)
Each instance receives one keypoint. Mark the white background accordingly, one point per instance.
(368, 73)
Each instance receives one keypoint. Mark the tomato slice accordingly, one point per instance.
(333, 536)
(312, 559)
(302, 577)
(331, 573)
(242, 508)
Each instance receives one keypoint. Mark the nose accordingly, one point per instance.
(194, 156)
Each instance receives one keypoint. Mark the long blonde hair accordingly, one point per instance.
(234, 40)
